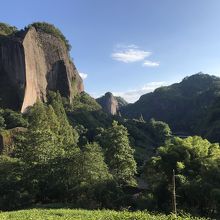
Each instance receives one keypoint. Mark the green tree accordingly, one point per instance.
(52, 166)
(160, 130)
(68, 136)
(2, 122)
(13, 191)
(93, 167)
(211, 123)
(39, 143)
(14, 119)
(75, 177)
(119, 154)
(196, 163)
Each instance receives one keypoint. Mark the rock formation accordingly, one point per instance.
(109, 103)
(32, 62)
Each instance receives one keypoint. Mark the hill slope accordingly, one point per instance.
(182, 105)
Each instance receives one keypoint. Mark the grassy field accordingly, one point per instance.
(73, 214)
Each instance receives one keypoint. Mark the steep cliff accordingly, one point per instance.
(109, 103)
(121, 102)
(33, 61)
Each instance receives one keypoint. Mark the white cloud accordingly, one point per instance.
(83, 75)
(132, 53)
(129, 53)
(149, 63)
(133, 95)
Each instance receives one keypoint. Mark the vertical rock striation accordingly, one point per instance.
(109, 103)
(32, 63)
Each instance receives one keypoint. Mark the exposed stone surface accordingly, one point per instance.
(31, 63)
(109, 103)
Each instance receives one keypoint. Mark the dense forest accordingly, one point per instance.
(67, 151)
(76, 154)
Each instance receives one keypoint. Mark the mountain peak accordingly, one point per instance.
(108, 94)
(200, 75)
(109, 103)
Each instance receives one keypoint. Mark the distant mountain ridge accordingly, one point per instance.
(182, 105)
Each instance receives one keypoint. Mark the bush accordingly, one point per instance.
(14, 119)
(6, 29)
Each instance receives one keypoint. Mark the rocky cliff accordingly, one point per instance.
(109, 103)
(32, 62)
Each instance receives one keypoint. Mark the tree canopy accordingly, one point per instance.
(196, 163)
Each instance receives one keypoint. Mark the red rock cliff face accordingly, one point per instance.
(32, 64)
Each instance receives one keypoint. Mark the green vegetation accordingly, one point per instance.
(51, 29)
(196, 164)
(76, 154)
(11, 123)
(13, 119)
(2, 120)
(121, 101)
(119, 154)
(68, 214)
(6, 29)
(211, 125)
(87, 116)
(48, 164)
(184, 106)
(83, 102)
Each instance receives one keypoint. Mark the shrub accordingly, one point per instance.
(6, 29)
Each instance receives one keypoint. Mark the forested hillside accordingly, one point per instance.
(184, 106)
(60, 158)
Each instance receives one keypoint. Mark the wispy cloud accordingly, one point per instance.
(133, 95)
(129, 53)
(149, 63)
(132, 53)
(83, 75)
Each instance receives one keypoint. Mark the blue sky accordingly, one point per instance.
(130, 47)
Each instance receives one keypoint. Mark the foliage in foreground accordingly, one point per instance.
(196, 163)
(68, 214)
(48, 165)
(54, 162)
